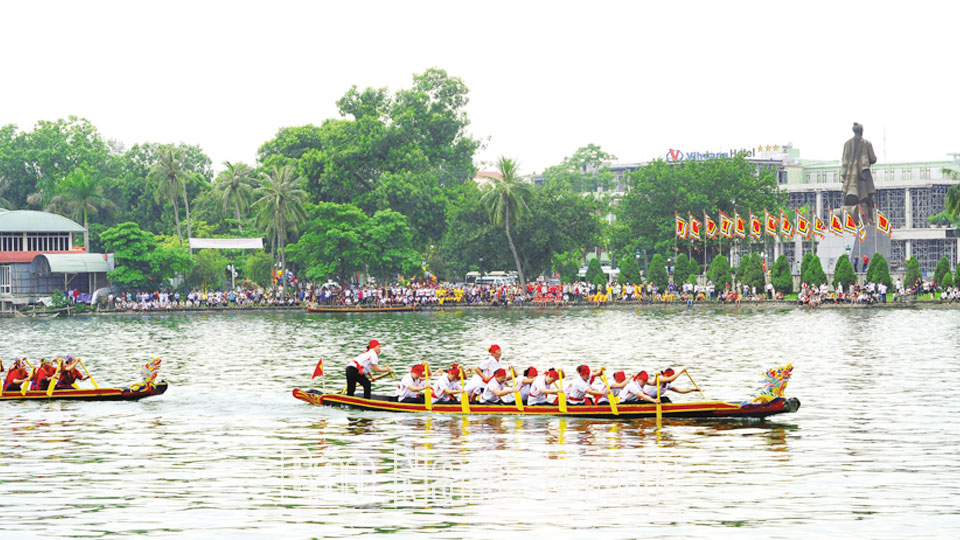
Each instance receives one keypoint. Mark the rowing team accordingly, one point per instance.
(65, 373)
(491, 383)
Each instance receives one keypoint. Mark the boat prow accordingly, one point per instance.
(626, 411)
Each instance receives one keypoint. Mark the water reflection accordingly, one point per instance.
(218, 456)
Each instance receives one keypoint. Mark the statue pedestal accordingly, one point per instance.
(832, 247)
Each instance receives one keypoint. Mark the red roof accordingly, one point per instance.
(27, 256)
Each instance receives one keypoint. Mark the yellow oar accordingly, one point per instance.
(695, 385)
(89, 376)
(561, 396)
(516, 391)
(659, 414)
(428, 392)
(610, 396)
(53, 380)
(464, 398)
(26, 384)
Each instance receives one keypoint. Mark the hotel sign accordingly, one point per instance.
(676, 156)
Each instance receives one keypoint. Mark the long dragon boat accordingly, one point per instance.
(316, 308)
(146, 387)
(625, 411)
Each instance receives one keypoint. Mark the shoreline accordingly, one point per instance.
(582, 306)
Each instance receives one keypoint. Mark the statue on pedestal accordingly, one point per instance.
(858, 188)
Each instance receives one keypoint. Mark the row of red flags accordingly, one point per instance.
(776, 226)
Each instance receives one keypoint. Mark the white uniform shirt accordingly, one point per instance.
(651, 389)
(632, 390)
(536, 395)
(403, 389)
(488, 396)
(490, 366)
(577, 390)
(444, 383)
(366, 361)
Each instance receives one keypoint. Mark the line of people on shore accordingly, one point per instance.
(492, 382)
(64, 371)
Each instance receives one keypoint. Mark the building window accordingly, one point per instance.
(5, 287)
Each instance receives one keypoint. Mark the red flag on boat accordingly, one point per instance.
(318, 371)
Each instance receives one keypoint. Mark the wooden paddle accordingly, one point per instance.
(695, 385)
(516, 391)
(427, 392)
(659, 412)
(26, 384)
(561, 396)
(464, 398)
(612, 398)
(89, 376)
(53, 380)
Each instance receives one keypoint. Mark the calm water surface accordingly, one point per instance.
(228, 452)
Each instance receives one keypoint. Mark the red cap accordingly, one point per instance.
(417, 369)
(669, 372)
(642, 376)
(492, 348)
(553, 374)
(454, 370)
(532, 372)
(373, 343)
(584, 370)
(619, 376)
(500, 373)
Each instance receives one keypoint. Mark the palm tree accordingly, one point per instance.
(279, 207)
(506, 202)
(235, 185)
(171, 175)
(79, 195)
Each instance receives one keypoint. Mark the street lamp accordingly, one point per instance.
(233, 276)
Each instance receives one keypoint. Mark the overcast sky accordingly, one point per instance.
(637, 78)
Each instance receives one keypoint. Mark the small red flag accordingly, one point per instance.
(318, 372)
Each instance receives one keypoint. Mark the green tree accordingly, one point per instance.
(594, 270)
(258, 268)
(132, 248)
(913, 272)
(878, 271)
(751, 272)
(209, 270)
(843, 273)
(943, 267)
(719, 272)
(629, 270)
(388, 238)
(780, 277)
(170, 175)
(234, 187)
(811, 270)
(658, 272)
(506, 200)
(659, 189)
(584, 171)
(567, 264)
(280, 207)
(81, 194)
(947, 281)
(681, 268)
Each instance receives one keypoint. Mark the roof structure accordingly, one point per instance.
(70, 263)
(26, 256)
(30, 221)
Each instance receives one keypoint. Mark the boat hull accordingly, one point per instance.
(86, 394)
(696, 409)
(385, 309)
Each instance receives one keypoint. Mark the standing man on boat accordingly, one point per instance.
(365, 363)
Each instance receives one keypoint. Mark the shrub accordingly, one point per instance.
(751, 272)
(780, 277)
(913, 273)
(658, 272)
(943, 267)
(593, 268)
(811, 270)
(629, 271)
(719, 272)
(878, 271)
(843, 273)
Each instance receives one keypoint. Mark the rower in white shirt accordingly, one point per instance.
(542, 387)
(410, 386)
(579, 391)
(496, 391)
(633, 391)
(619, 381)
(447, 389)
(484, 372)
(667, 377)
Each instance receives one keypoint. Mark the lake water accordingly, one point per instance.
(874, 451)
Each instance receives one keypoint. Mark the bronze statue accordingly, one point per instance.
(858, 188)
